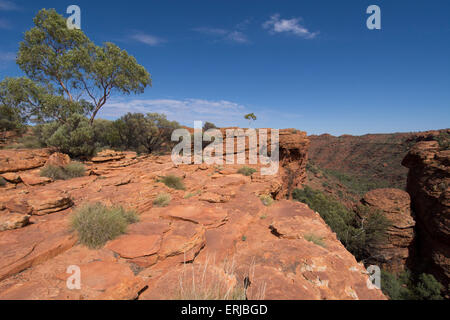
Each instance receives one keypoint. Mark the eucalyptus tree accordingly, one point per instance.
(77, 73)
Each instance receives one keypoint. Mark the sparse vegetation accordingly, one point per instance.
(70, 171)
(246, 171)
(315, 239)
(162, 200)
(444, 140)
(356, 234)
(209, 282)
(173, 182)
(410, 286)
(96, 223)
(266, 200)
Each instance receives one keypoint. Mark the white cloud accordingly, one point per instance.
(211, 31)
(236, 36)
(147, 39)
(8, 6)
(277, 25)
(221, 112)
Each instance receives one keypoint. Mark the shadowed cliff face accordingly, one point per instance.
(393, 254)
(429, 188)
(218, 224)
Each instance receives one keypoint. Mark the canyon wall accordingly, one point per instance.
(429, 187)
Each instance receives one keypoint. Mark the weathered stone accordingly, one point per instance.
(58, 159)
(395, 205)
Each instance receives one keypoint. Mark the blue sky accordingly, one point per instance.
(310, 65)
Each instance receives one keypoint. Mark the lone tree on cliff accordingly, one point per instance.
(250, 117)
(68, 71)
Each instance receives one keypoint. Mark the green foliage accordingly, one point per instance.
(70, 171)
(250, 116)
(427, 288)
(356, 184)
(410, 286)
(2, 182)
(173, 182)
(162, 200)
(208, 125)
(64, 65)
(96, 224)
(266, 200)
(75, 137)
(246, 171)
(358, 233)
(315, 239)
(145, 133)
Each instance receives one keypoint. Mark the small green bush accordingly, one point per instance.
(246, 171)
(2, 182)
(96, 224)
(173, 182)
(70, 171)
(315, 239)
(410, 286)
(162, 200)
(266, 200)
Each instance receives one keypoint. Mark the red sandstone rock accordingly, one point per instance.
(429, 188)
(58, 159)
(395, 204)
(19, 160)
(230, 240)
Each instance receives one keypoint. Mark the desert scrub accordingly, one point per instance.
(266, 200)
(162, 200)
(96, 223)
(315, 239)
(246, 171)
(70, 171)
(173, 182)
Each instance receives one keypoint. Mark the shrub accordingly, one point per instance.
(208, 125)
(96, 224)
(395, 288)
(266, 200)
(2, 182)
(246, 171)
(410, 286)
(357, 235)
(315, 239)
(75, 137)
(70, 171)
(427, 288)
(173, 182)
(162, 200)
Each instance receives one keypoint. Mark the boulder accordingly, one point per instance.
(58, 159)
(20, 160)
(49, 201)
